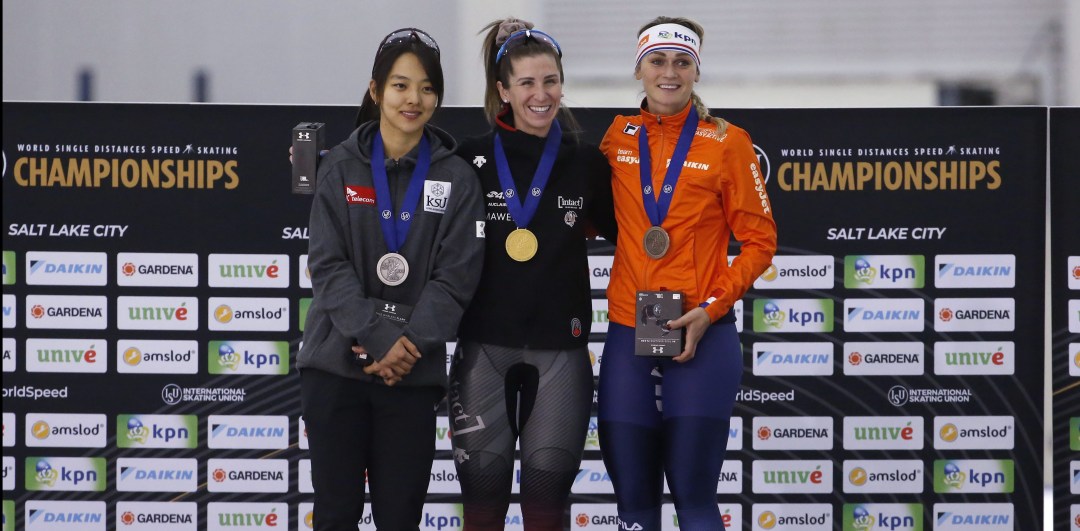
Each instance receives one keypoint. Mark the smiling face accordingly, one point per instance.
(668, 78)
(407, 101)
(534, 90)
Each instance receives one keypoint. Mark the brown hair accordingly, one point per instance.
(702, 109)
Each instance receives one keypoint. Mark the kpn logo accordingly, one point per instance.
(973, 475)
(65, 473)
(884, 271)
(891, 516)
(793, 315)
(157, 431)
(248, 357)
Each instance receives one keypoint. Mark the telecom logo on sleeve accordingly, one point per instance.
(884, 315)
(251, 432)
(883, 476)
(885, 271)
(63, 515)
(65, 473)
(792, 477)
(730, 516)
(974, 433)
(248, 270)
(157, 431)
(9, 473)
(891, 516)
(9, 268)
(157, 475)
(793, 433)
(884, 358)
(247, 475)
(65, 269)
(166, 270)
(149, 356)
(65, 430)
(975, 315)
(305, 273)
(975, 271)
(883, 433)
(10, 355)
(9, 430)
(157, 313)
(1074, 272)
(9, 311)
(793, 359)
(798, 272)
(592, 478)
(792, 517)
(84, 312)
(67, 355)
(973, 476)
(248, 357)
(793, 315)
(975, 357)
(231, 516)
(157, 516)
(228, 314)
(974, 517)
(600, 271)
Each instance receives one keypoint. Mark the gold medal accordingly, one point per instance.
(657, 242)
(521, 245)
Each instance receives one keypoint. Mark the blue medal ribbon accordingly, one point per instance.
(657, 209)
(396, 228)
(522, 212)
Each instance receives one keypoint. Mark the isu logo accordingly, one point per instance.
(127, 518)
(945, 314)
(854, 358)
(219, 475)
(764, 433)
(857, 476)
(582, 520)
(38, 311)
(949, 433)
(223, 314)
(128, 269)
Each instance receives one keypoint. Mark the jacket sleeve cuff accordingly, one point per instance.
(382, 336)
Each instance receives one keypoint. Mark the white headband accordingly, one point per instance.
(672, 37)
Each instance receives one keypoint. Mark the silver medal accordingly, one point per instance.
(392, 269)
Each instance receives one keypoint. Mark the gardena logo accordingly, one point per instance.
(248, 475)
(790, 433)
(157, 516)
(157, 269)
(884, 358)
(975, 315)
(67, 311)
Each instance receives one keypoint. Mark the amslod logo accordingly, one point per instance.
(247, 475)
(883, 476)
(884, 271)
(248, 357)
(792, 517)
(67, 355)
(64, 515)
(65, 430)
(149, 356)
(793, 433)
(794, 477)
(793, 315)
(884, 315)
(253, 432)
(230, 516)
(157, 475)
(974, 517)
(793, 359)
(157, 431)
(975, 271)
(730, 516)
(798, 272)
(248, 314)
(65, 269)
(884, 358)
(444, 478)
(973, 475)
(157, 516)
(974, 357)
(883, 433)
(65, 473)
(157, 313)
(592, 478)
(179, 270)
(85, 312)
(974, 433)
(883, 516)
(975, 315)
(248, 270)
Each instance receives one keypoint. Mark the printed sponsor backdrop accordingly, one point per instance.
(154, 286)
(1065, 315)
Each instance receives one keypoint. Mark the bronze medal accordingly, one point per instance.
(521, 245)
(657, 242)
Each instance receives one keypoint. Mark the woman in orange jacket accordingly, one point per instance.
(684, 183)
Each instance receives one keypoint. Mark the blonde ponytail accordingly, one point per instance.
(703, 114)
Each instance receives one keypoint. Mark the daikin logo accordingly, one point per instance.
(973, 517)
(975, 271)
(63, 516)
(65, 269)
(883, 315)
(264, 432)
(884, 272)
(793, 359)
(157, 475)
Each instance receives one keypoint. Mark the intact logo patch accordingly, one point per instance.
(359, 195)
(436, 196)
(631, 129)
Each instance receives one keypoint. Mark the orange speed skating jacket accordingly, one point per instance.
(720, 192)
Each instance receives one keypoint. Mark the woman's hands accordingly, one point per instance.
(397, 362)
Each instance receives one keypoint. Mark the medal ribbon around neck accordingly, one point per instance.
(522, 212)
(396, 228)
(657, 209)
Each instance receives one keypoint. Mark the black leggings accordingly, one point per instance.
(356, 427)
(500, 394)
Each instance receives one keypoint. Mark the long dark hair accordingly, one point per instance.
(384, 61)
